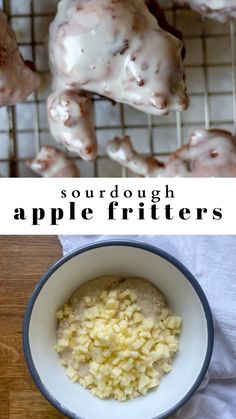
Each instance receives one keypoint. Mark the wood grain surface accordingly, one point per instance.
(23, 260)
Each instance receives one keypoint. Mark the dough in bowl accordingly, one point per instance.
(117, 337)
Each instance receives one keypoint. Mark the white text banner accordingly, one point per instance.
(117, 206)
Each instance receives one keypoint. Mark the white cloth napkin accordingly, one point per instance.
(212, 260)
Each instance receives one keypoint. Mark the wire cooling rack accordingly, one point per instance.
(210, 73)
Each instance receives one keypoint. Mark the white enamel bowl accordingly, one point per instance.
(125, 258)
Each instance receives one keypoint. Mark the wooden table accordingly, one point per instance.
(22, 262)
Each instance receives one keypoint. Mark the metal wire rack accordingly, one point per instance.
(211, 78)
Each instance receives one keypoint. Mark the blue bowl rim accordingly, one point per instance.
(106, 243)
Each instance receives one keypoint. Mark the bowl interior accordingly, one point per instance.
(125, 261)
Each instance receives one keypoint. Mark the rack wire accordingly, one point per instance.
(211, 78)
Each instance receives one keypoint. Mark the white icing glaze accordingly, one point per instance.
(209, 153)
(117, 49)
(17, 79)
(51, 162)
(121, 150)
(215, 9)
(71, 122)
